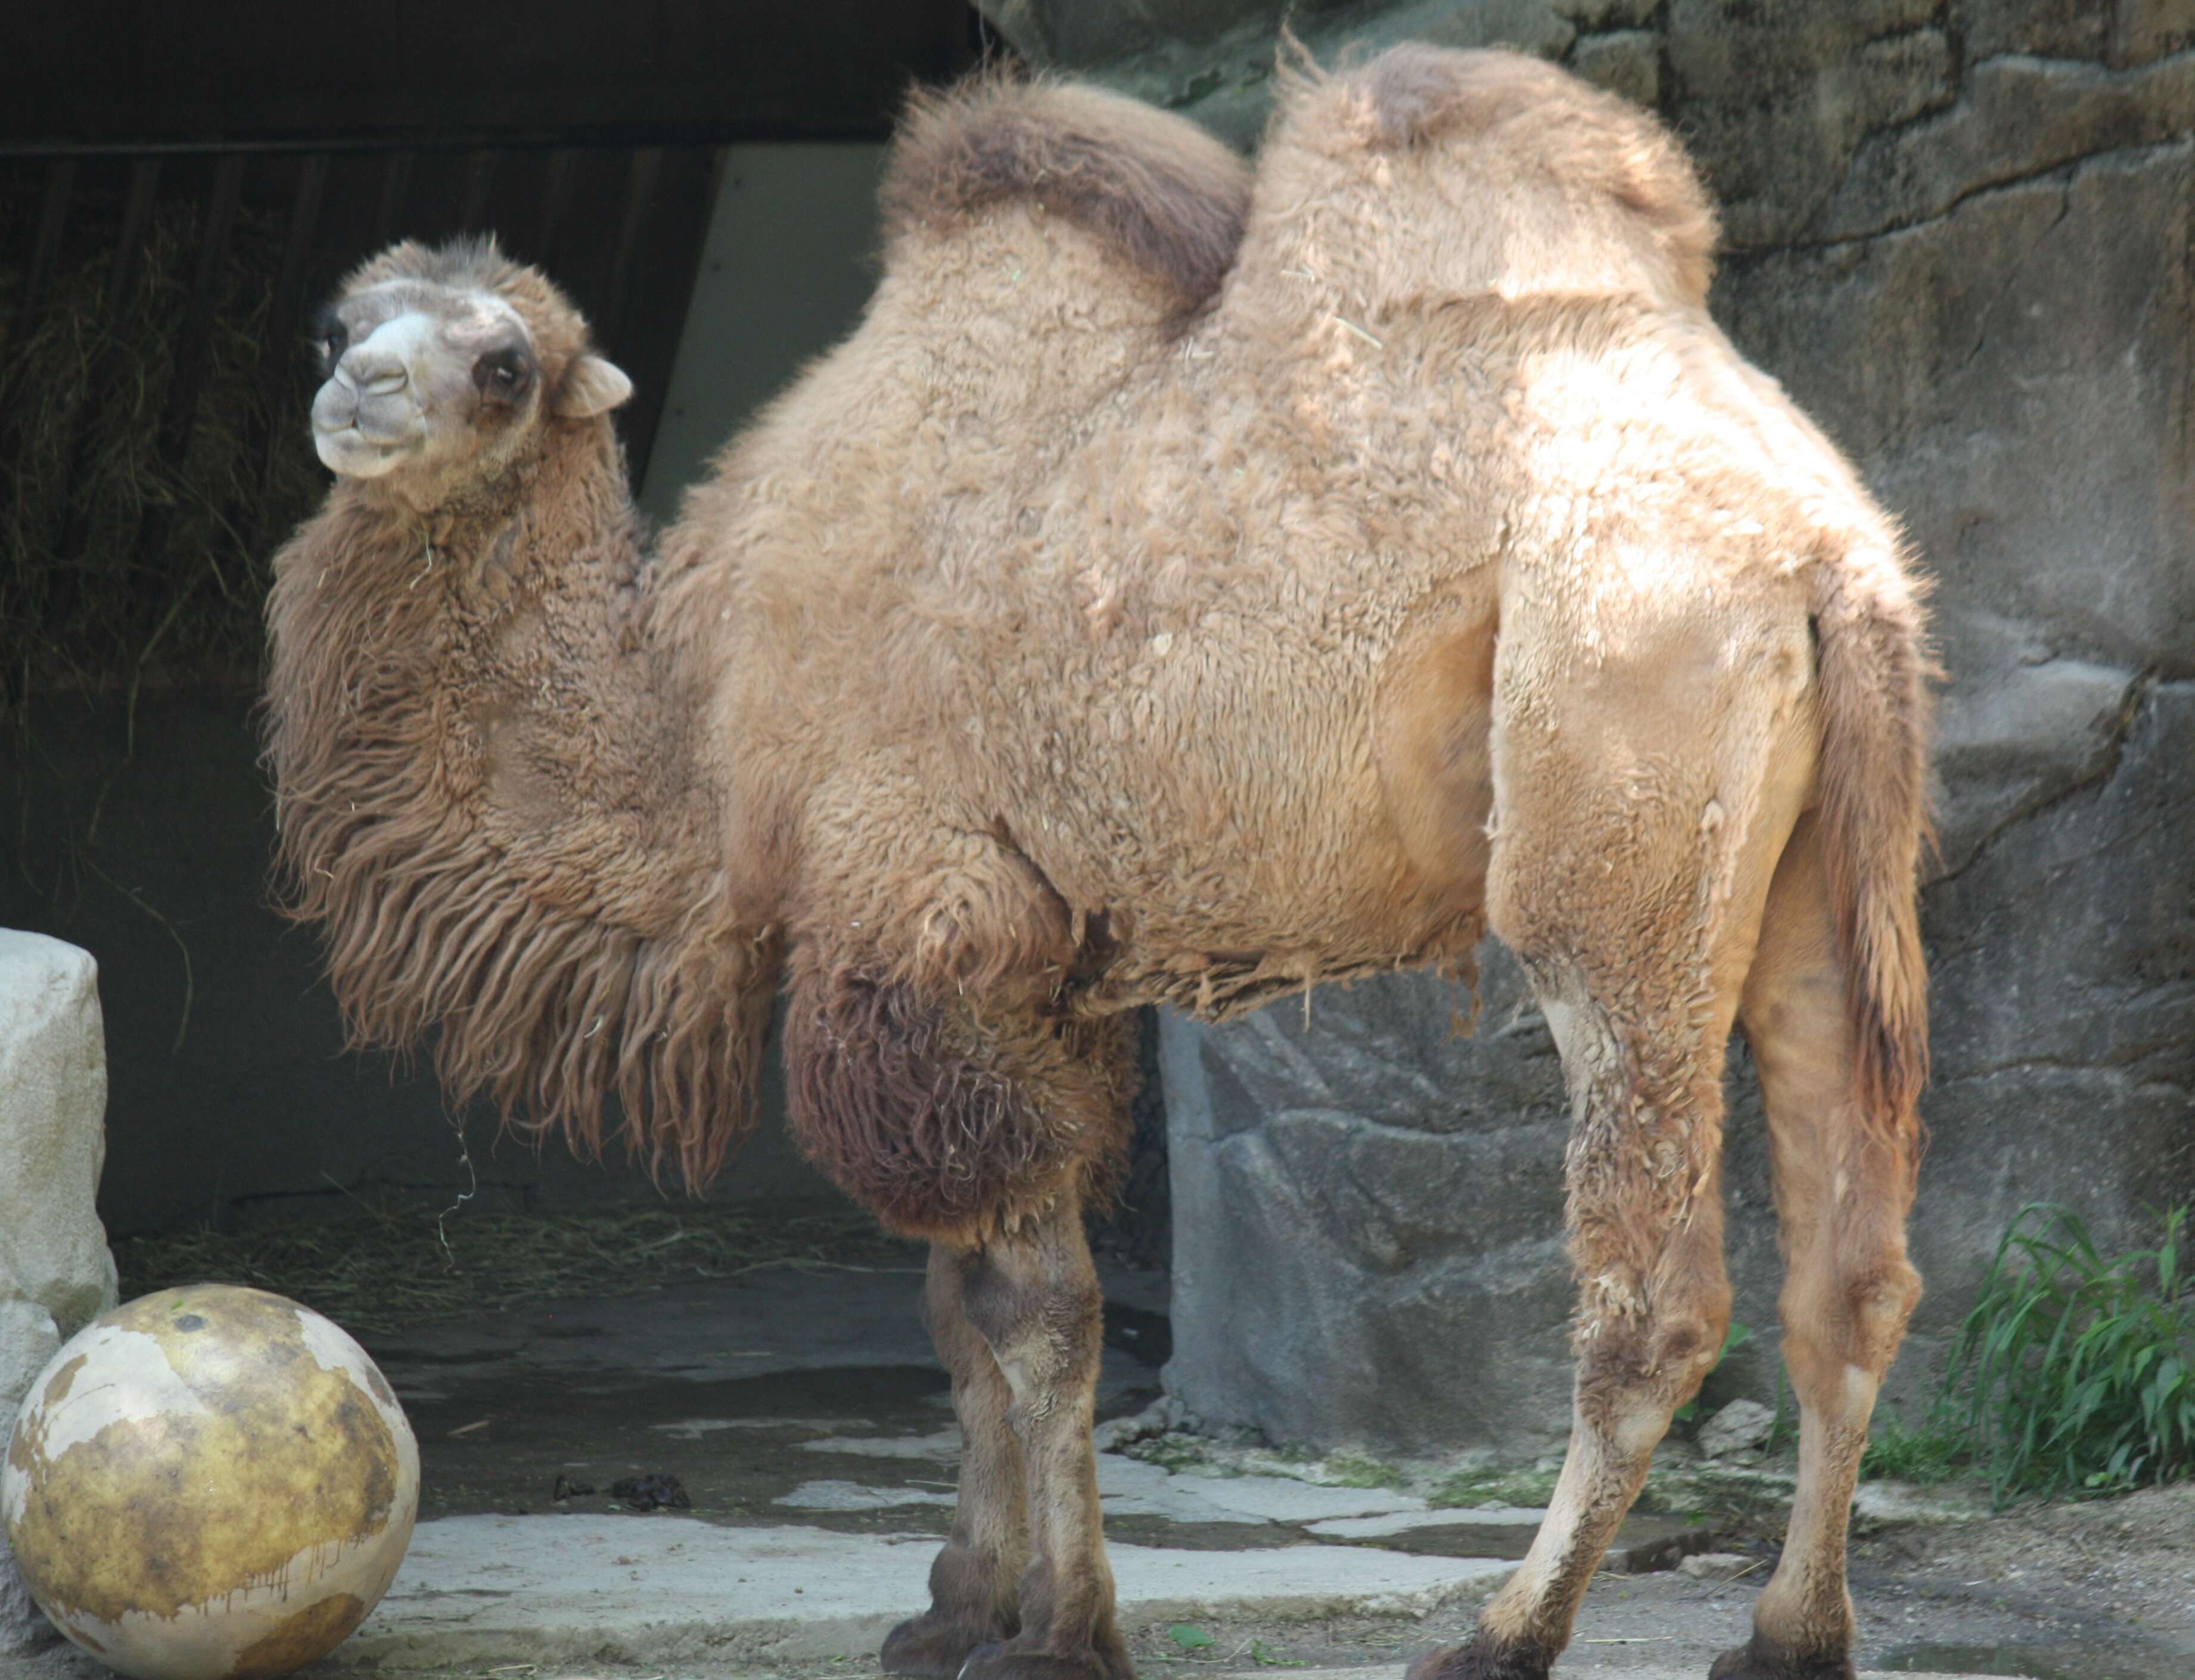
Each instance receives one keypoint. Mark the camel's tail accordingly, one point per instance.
(1874, 670)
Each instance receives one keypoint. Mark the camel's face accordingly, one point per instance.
(436, 386)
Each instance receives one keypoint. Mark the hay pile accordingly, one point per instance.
(82, 604)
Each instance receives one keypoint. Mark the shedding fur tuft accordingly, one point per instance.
(910, 1126)
(1154, 187)
(1875, 669)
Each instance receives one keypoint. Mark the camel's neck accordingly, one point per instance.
(491, 798)
(485, 669)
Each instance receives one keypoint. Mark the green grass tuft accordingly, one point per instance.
(1355, 1470)
(1926, 1456)
(2075, 1373)
(1529, 1486)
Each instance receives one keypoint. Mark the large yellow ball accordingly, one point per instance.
(210, 1482)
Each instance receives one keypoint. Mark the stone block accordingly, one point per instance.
(55, 1272)
(23, 1624)
(1742, 1426)
(1368, 1235)
(1628, 61)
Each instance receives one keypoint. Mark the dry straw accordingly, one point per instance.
(379, 1268)
(85, 603)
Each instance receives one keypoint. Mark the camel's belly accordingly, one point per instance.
(1268, 823)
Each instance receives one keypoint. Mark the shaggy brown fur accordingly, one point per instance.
(915, 1115)
(1079, 634)
(486, 789)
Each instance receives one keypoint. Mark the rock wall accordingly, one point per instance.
(1960, 233)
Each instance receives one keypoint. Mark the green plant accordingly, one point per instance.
(1355, 1470)
(2076, 1373)
(1528, 1485)
(1933, 1453)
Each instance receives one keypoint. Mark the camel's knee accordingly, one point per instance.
(1691, 1347)
(1877, 1304)
(1852, 1318)
(1632, 1373)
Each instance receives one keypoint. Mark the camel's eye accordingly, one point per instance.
(331, 338)
(502, 374)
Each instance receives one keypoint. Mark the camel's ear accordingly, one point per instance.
(592, 385)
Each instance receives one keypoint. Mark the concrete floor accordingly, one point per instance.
(808, 1424)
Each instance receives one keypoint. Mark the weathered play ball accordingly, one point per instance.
(210, 1482)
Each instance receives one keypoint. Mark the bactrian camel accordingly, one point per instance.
(1180, 588)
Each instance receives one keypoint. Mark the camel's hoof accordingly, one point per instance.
(1755, 1660)
(935, 1646)
(1013, 1661)
(1483, 1659)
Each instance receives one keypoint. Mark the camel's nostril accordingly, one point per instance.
(380, 380)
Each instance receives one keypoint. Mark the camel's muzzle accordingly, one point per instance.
(369, 415)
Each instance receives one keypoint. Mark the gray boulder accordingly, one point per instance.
(55, 1272)
(23, 1624)
(1742, 1426)
(1367, 1227)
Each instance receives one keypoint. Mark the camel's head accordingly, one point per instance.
(441, 365)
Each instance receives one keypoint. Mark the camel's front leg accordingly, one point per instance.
(979, 1135)
(1033, 1298)
(975, 1585)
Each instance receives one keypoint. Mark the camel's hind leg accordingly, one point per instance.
(1642, 805)
(975, 1584)
(1844, 1181)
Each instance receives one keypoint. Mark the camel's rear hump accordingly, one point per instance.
(1431, 174)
